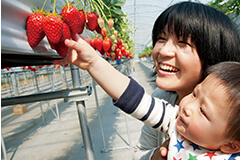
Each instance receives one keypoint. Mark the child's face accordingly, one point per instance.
(177, 64)
(203, 114)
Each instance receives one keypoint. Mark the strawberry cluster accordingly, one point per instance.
(57, 28)
(113, 48)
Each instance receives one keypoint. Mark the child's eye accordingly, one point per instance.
(193, 93)
(203, 112)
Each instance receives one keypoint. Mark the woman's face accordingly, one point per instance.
(177, 64)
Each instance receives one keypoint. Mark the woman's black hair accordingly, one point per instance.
(213, 33)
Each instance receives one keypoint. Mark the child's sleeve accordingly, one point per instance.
(154, 112)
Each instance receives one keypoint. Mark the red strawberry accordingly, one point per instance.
(61, 49)
(102, 51)
(98, 42)
(110, 23)
(92, 43)
(109, 39)
(113, 54)
(123, 51)
(104, 32)
(91, 21)
(82, 21)
(108, 54)
(98, 29)
(96, 14)
(66, 32)
(35, 31)
(107, 44)
(70, 16)
(53, 28)
(118, 53)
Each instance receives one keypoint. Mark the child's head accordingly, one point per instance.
(209, 116)
(209, 33)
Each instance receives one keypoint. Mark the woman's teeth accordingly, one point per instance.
(168, 68)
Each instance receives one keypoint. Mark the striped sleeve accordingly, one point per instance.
(152, 111)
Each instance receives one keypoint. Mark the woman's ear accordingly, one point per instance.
(231, 147)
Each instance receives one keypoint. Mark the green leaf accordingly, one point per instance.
(107, 2)
(118, 2)
(117, 11)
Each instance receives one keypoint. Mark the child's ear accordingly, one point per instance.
(231, 147)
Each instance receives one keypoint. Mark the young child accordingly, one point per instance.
(207, 118)
(187, 37)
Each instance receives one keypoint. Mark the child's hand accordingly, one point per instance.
(161, 152)
(80, 53)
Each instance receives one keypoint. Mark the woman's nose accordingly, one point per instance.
(168, 49)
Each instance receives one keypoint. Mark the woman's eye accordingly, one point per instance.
(161, 38)
(184, 43)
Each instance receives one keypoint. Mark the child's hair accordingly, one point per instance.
(229, 74)
(213, 33)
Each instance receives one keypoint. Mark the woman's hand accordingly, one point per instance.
(161, 152)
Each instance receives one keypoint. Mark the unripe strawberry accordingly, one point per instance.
(100, 22)
(115, 33)
(113, 37)
(110, 23)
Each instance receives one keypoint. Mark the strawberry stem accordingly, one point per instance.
(81, 6)
(67, 5)
(43, 5)
(54, 6)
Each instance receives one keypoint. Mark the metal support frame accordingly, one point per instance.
(125, 71)
(82, 115)
(80, 94)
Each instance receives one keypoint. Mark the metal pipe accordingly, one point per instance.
(67, 94)
(82, 116)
